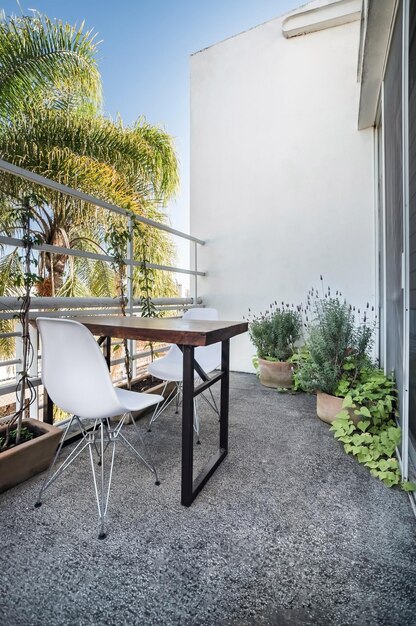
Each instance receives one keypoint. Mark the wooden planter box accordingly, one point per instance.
(28, 459)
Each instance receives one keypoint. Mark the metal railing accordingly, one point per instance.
(62, 306)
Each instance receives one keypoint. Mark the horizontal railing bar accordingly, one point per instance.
(11, 388)
(45, 302)
(80, 195)
(42, 302)
(9, 335)
(10, 362)
(140, 355)
(95, 256)
(169, 268)
(61, 313)
(77, 312)
(13, 302)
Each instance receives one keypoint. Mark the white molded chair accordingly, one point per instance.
(76, 377)
(169, 368)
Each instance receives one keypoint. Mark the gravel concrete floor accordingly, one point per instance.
(289, 531)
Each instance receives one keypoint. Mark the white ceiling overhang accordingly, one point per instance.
(325, 15)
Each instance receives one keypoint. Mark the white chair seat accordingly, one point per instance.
(132, 401)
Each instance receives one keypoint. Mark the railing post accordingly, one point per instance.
(33, 370)
(130, 292)
(194, 290)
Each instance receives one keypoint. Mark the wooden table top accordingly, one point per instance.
(169, 330)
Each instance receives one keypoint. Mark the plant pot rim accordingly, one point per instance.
(47, 429)
(331, 395)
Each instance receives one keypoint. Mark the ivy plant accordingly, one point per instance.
(24, 280)
(146, 279)
(117, 239)
(374, 438)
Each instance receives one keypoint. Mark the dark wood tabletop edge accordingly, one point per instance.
(183, 337)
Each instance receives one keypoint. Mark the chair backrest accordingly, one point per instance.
(209, 357)
(201, 314)
(74, 370)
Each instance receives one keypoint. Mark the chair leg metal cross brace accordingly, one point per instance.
(190, 487)
(97, 440)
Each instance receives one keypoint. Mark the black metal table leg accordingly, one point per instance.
(225, 394)
(187, 425)
(190, 487)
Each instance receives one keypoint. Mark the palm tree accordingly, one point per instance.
(60, 133)
(132, 167)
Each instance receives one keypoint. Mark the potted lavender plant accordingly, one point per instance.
(274, 334)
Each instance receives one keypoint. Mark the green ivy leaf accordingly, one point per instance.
(364, 411)
(364, 457)
(348, 403)
(371, 464)
(363, 425)
(408, 485)
(344, 439)
(342, 416)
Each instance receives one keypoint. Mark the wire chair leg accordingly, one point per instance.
(161, 406)
(51, 477)
(178, 397)
(102, 511)
(156, 412)
(102, 494)
(126, 443)
(196, 422)
(152, 465)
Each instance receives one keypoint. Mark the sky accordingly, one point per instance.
(144, 58)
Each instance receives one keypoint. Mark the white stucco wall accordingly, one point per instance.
(281, 179)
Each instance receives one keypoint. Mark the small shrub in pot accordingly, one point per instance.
(338, 347)
(273, 334)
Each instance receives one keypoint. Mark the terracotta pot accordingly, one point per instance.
(328, 407)
(28, 459)
(276, 373)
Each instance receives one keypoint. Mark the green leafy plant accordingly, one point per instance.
(338, 345)
(24, 279)
(117, 239)
(146, 280)
(14, 436)
(299, 358)
(374, 438)
(275, 331)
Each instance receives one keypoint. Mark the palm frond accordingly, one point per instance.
(10, 267)
(7, 344)
(41, 58)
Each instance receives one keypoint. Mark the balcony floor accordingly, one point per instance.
(289, 531)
